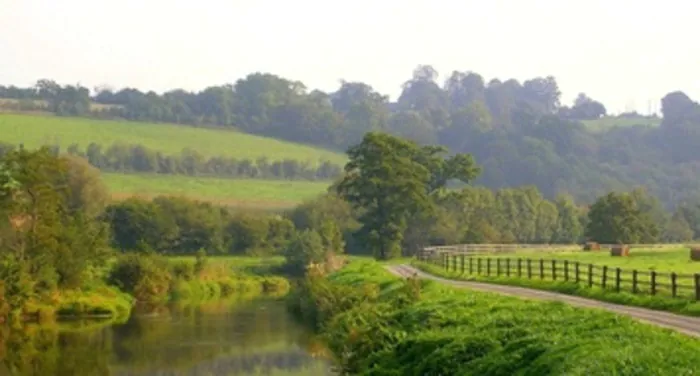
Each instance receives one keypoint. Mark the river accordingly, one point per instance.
(225, 337)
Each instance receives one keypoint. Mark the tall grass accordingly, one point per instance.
(378, 325)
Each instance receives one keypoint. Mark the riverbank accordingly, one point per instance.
(132, 278)
(378, 324)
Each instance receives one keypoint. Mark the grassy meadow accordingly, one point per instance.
(243, 193)
(660, 260)
(663, 262)
(35, 130)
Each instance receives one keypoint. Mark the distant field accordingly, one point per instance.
(36, 130)
(671, 260)
(249, 193)
(610, 122)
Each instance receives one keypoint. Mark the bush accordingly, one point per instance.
(147, 277)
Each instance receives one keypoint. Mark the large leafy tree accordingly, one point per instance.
(392, 180)
(616, 218)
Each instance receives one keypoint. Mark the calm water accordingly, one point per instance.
(217, 338)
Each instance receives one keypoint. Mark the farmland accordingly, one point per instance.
(656, 278)
(245, 193)
(35, 131)
(421, 327)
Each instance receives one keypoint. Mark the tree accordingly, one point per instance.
(586, 108)
(305, 248)
(392, 179)
(616, 219)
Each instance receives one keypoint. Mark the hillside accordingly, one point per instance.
(241, 193)
(35, 130)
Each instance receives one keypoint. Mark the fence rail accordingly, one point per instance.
(686, 286)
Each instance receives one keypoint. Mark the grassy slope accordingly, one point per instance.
(34, 131)
(261, 194)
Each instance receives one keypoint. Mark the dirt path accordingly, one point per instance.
(683, 324)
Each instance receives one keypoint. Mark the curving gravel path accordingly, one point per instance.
(684, 324)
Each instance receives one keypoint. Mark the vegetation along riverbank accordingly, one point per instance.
(378, 324)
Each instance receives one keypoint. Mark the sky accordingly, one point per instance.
(624, 53)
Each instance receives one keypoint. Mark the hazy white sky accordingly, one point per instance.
(621, 52)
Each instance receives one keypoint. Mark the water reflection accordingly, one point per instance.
(216, 338)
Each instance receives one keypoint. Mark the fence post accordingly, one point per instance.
(520, 264)
(617, 279)
(463, 259)
(674, 285)
(478, 266)
(488, 266)
(634, 281)
(605, 276)
(576, 271)
(508, 267)
(697, 286)
(498, 267)
(541, 269)
(590, 275)
(554, 270)
(566, 270)
(529, 269)
(471, 265)
(653, 282)
(454, 263)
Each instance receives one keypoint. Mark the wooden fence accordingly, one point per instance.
(652, 283)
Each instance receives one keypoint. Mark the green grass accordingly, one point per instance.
(611, 122)
(661, 260)
(379, 325)
(684, 304)
(248, 193)
(35, 131)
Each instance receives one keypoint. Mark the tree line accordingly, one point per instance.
(393, 200)
(138, 158)
(519, 131)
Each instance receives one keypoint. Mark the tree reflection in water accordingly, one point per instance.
(225, 337)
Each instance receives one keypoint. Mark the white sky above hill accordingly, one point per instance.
(624, 53)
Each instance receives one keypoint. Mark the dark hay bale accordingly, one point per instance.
(591, 246)
(620, 250)
(695, 253)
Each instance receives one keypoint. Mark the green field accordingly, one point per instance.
(661, 260)
(553, 273)
(613, 121)
(34, 131)
(262, 194)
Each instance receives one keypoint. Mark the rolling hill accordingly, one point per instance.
(36, 130)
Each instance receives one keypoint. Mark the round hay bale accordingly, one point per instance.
(695, 253)
(620, 250)
(591, 246)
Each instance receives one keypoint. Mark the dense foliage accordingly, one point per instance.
(138, 158)
(519, 131)
(379, 325)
